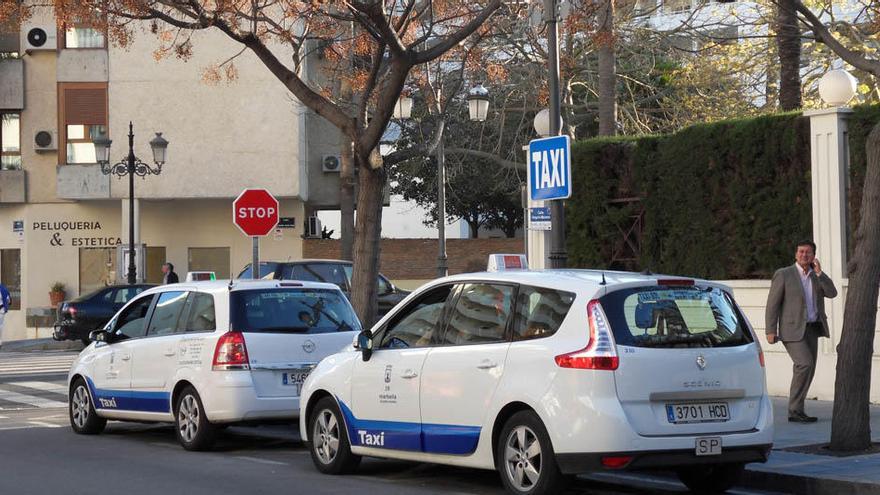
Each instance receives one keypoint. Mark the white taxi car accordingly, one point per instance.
(543, 374)
(206, 354)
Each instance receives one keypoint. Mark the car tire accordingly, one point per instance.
(83, 418)
(326, 428)
(525, 459)
(716, 478)
(191, 424)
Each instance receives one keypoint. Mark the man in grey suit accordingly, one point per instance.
(796, 316)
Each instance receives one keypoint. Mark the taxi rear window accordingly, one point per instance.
(668, 317)
(286, 310)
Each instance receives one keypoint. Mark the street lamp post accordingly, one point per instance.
(558, 253)
(131, 166)
(478, 108)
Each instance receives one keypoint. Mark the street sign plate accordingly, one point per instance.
(549, 171)
(539, 218)
(255, 212)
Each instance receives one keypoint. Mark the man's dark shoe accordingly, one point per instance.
(799, 417)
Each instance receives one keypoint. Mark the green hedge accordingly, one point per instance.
(726, 200)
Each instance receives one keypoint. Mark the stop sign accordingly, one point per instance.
(255, 212)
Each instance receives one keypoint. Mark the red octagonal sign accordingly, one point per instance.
(255, 212)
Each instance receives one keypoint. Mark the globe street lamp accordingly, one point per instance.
(131, 166)
(478, 109)
(837, 87)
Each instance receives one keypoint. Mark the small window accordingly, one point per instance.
(108, 296)
(332, 273)
(286, 310)
(84, 117)
(674, 317)
(167, 312)
(127, 294)
(201, 313)
(132, 322)
(418, 324)
(539, 312)
(267, 271)
(384, 287)
(10, 141)
(81, 36)
(480, 315)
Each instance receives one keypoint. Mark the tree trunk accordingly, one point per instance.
(346, 197)
(371, 185)
(788, 41)
(851, 420)
(607, 72)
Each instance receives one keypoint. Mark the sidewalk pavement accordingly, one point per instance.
(811, 473)
(28, 345)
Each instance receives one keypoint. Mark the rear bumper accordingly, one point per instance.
(68, 331)
(592, 462)
(230, 397)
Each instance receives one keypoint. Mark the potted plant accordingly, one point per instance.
(56, 294)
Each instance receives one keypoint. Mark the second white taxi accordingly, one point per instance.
(542, 374)
(208, 354)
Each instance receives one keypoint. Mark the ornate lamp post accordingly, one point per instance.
(131, 166)
(478, 109)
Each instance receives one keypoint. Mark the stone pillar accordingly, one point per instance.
(829, 172)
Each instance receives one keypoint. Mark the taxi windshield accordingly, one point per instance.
(292, 311)
(675, 317)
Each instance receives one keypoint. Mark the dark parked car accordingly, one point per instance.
(334, 271)
(78, 317)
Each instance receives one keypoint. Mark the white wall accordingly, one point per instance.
(751, 295)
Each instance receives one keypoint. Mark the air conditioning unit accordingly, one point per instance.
(46, 141)
(331, 163)
(40, 38)
(313, 228)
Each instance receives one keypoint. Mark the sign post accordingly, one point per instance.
(549, 176)
(255, 213)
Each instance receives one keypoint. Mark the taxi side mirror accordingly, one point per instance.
(365, 344)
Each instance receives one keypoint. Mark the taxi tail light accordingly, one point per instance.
(600, 352)
(231, 352)
(761, 357)
(616, 461)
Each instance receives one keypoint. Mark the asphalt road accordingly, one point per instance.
(40, 454)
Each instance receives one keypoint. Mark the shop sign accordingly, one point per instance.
(74, 234)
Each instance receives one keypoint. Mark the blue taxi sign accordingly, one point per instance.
(549, 168)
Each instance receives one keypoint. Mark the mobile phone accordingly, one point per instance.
(813, 266)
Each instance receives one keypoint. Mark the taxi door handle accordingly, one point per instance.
(487, 365)
(125, 357)
(409, 374)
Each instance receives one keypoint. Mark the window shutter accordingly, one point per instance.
(85, 106)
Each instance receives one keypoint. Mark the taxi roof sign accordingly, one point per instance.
(502, 262)
(200, 276)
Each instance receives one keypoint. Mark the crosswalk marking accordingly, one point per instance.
(26, 364)
(46, 386)
(22, 385)
(29, 399)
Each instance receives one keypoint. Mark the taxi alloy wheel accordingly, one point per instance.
(83, 418)
(524, 457)
(193, 429)
(329, 444)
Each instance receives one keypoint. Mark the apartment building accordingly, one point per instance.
(62, 219)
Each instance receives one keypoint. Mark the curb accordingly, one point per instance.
(40, 345)
(805, 485)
